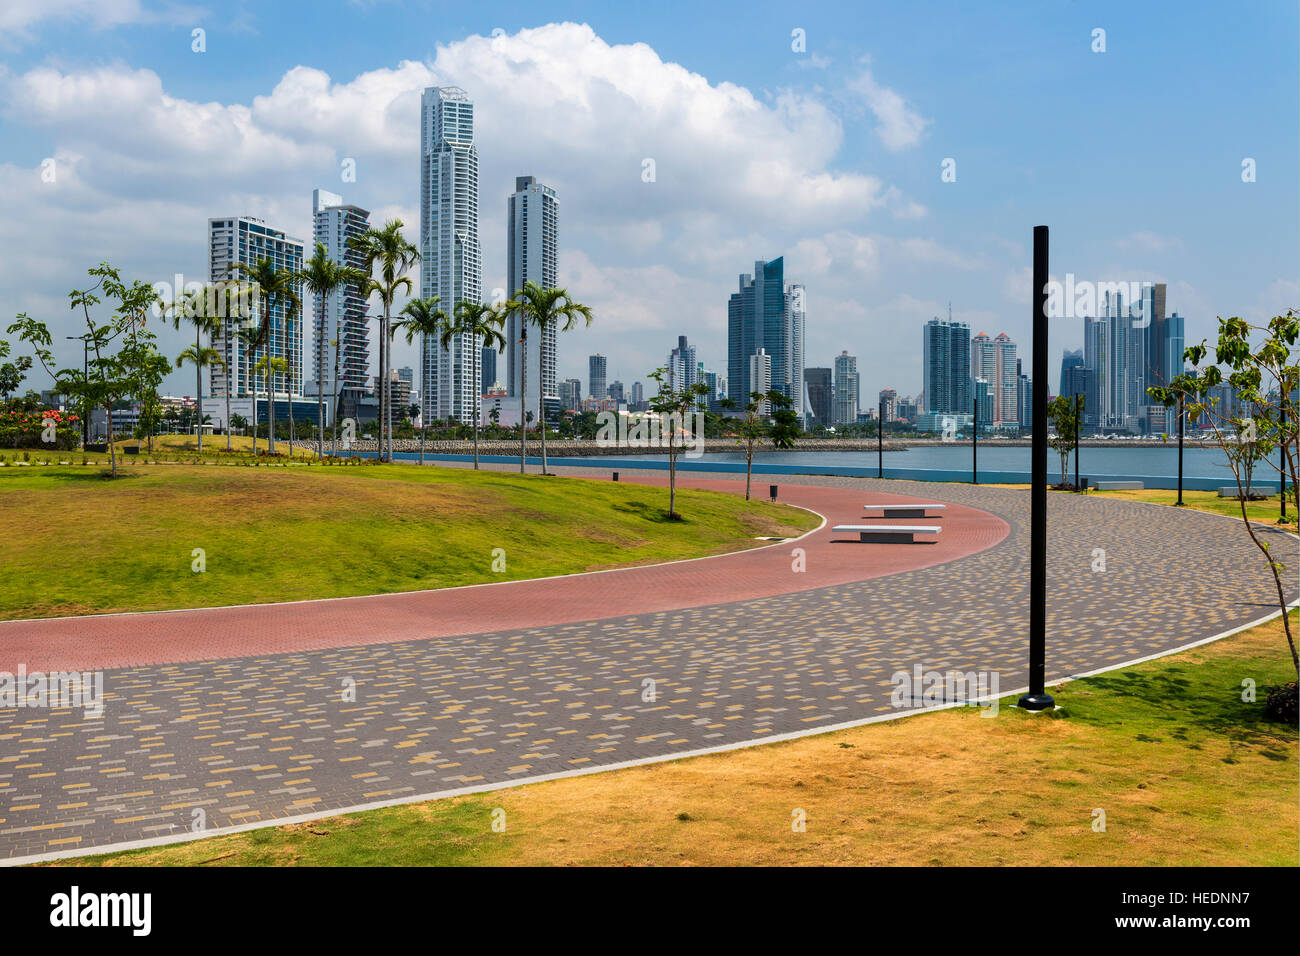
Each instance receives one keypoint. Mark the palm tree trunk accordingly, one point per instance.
(338, 394)
(198, 376)
(252, 367)
(424, 378)
(478, 402)
(541, 388)
(320, 391)
(523, 392)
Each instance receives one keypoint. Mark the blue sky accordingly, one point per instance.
(830, 157)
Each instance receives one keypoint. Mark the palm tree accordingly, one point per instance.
(274, 285)
(394, 255)
(322, 277)
(192, 308)
(338, 395)
(426, 320)
(202, 357)
(477, 321)
(545, 308)
(270, 366)
(251, 338)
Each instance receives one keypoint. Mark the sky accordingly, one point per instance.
(817, 131)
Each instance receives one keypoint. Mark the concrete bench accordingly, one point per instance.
(1256, 491)
(906, 511)
(1119, 486)
(887, 533)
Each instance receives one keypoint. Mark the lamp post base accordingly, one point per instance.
(1042, 701)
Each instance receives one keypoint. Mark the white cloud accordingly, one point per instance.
(1149, 242)
(738, 177)
(898, 125)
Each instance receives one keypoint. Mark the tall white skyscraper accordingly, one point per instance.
(532, 219)
(341, 316)
(451, 266)
(245, 239)
(847, 389)
(796, 316)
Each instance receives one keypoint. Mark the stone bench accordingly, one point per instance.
(1256, 491)
(1119, 486)
(887, 533)
(906, 511)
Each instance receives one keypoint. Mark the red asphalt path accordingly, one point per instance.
(161, 637)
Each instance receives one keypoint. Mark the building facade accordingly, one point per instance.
(451, 266)
(532, 220)
(763, 314)
(243, 239)
(339, 317)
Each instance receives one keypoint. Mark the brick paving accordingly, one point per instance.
(433, 707)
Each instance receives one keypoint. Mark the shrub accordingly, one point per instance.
(1281, 705)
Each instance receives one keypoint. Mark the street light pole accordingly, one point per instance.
(1078, 427)
(1038, 698)
(880, 440)
(1181, 416)
(975, 441)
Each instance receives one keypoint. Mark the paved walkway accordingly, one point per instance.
(266, 737)
(131, 640)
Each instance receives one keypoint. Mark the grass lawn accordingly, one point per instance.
(78, 543)
(1265, 512)
(1187, 774)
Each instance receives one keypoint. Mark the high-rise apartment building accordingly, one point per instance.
(236, 239)
(1125, 352)
(818, 388)
(846, 389)
(570, 395)
(451, 266)
(339, 327)
(596, 385)
(532, 220)
(637, 402)
(766, 315)
(887, 405)
(487, 366)
(760, 379)
(994, 361)
(683, 369)
(946, 367)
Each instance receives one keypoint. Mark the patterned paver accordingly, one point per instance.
(269, 736)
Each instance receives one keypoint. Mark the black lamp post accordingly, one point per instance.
(975, 441)
(1181, 416)
(1078, 427)
(880, 440)
(1038, 698)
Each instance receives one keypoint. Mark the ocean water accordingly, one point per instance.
(1197, 462)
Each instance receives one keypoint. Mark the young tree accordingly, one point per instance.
(193, 308)
(1064, 416)
(1266, 382)
(674, 406)
(782, 429)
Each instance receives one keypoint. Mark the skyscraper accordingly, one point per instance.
(818, 381)
(451, 266)
(570, 394)
(638, 396)
(764, 314)
(487, 369)
(683, 370)
(946, 367)
(341, 316)
(846, 389)
(888, 404)
(760, 379)
(596, 376)
(1125, 352)
(245, 239)
(532, 217)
